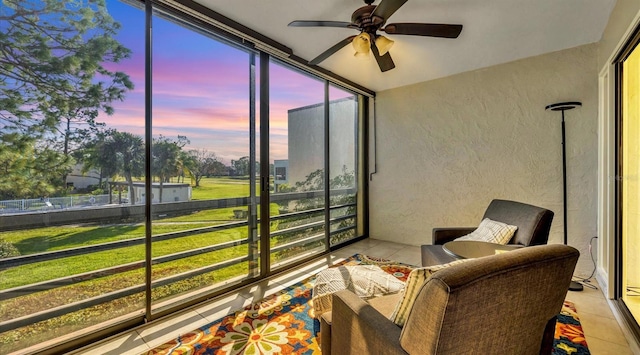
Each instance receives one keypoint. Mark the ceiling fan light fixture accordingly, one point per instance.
(383, 44)
(361, 43)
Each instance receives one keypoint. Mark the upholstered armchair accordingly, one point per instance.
(533, 229)
(500, 304)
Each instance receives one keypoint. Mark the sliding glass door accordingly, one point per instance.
(629, 198)
(297, 149)
(202, 164)
(343, 165)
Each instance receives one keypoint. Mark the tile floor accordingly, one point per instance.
(604, 335)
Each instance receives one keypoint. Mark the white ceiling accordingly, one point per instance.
(495, 31)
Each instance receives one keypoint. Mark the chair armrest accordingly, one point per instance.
(358, 328)
(443, 235)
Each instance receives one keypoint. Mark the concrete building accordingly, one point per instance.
(306, 139)
(171, 192)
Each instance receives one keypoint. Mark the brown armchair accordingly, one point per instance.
(533, 229)
(499, 304)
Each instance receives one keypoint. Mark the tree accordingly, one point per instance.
(202, 163)
(94, 155)
(127, 157)
(219, 169)
(315, 182)
(28, 170)
(240, 166)
(165, 155)
(53, 53)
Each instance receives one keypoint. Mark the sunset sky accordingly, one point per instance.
(201, 88)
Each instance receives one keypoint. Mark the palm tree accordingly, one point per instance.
(126, 152)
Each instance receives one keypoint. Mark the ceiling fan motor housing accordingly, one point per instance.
(363, 19)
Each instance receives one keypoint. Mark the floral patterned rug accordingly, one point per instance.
(283, 323)
(569, 338)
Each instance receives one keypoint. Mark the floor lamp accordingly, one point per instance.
(564, 106)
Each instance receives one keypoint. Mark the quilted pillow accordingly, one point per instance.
(492, 232)
(415, 280)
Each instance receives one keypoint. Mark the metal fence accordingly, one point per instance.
(52, 203)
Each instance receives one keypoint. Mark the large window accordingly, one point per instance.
(629, 198)
(201, 163)
(120, 204)
(343, 164)
(296, 124)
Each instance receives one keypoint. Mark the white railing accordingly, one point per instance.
(52, 203)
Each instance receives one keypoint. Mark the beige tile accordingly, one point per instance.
(129, 343)
(586, 303)
(381, 251)
(171, 327)
(334, 258)
(408, 255)
(602, 328)
(303, 272)
(219, 308)
(367, 243)
(602, 347)
(384, 243)
(347, 251)
(589, 291)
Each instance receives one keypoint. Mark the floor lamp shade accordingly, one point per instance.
(565, 106)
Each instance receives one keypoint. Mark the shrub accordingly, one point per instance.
(7, 249)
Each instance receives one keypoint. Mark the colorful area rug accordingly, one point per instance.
(569, 338)
(283, 323)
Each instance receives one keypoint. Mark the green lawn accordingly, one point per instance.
(221, 187)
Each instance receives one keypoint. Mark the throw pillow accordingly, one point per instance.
(492, 232)
(415, 280)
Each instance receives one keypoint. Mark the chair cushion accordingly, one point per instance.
(415, 280)
(492, 232)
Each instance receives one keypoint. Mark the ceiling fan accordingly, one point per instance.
(368, 20)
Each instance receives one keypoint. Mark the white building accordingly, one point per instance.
(171, 192)
(81, 180)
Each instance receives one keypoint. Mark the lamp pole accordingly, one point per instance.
(564, 106)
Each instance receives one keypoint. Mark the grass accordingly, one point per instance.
(216, 188)
(64, 237)
(40, 240)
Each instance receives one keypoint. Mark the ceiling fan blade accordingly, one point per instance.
(326, 54)
(424, 29)
(386, 8)
(384, 61)
(341, 24)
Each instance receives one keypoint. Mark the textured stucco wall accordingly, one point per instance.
(446, 147)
